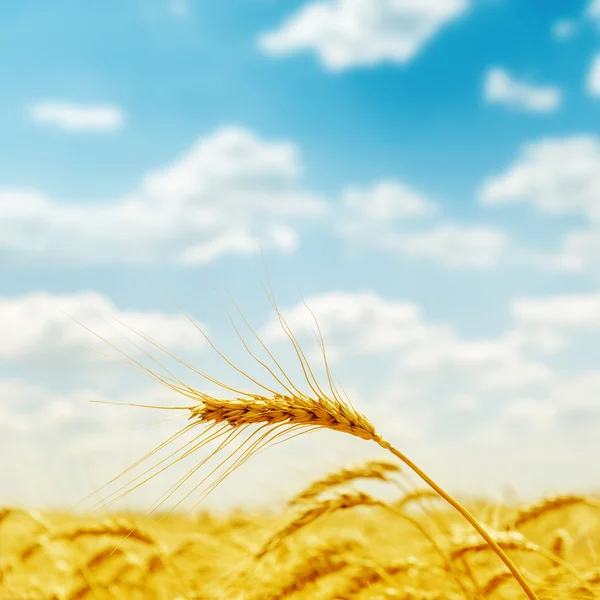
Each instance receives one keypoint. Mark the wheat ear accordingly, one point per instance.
(277, 415)
(366, 575)
(314, 512)
(494, 582)
(534, 511)
(117, 527)
(373, 469)
(514, 540)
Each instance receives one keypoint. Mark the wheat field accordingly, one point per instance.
(356, 548)
(333, 540)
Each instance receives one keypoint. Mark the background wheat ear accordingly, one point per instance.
(314, 512)
(380, 470)
(271, 415)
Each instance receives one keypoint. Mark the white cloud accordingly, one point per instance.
(33, 325)
(511, 401)
(556, 175)
(246, 173)
(364, 323)
(568, 410)
(579, 252)
(387, 200)
(377, 217)
(180, 8)
(571, 311)
(593, 10)
(368, 211)
(74, 117)
(500, 87)
(229, 194)
(62, 436)
(372, 324)
(452, 245)
(423, 365)
(281, 238)
(351, 33)
(562, 325)
(432, 370)
(593, 80)
(26, 407)
(564, 29)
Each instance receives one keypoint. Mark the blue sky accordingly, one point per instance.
(425, 173)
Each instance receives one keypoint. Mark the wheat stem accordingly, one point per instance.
(465, 513)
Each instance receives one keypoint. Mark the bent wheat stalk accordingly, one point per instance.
(270, 416)
(330, 414)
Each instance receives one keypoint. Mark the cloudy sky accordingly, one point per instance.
(425, 174)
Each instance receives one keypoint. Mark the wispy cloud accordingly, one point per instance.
(452, 245)
(180, 8)
(368, 211)
(500, 87)
(592, 11)
(382, 217)
(593, 79)
(78, 117)
(560, 312)
(564, 29)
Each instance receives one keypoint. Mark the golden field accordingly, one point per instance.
(411, 548)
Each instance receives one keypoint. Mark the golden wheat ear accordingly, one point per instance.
(381, 470)
(268, 416)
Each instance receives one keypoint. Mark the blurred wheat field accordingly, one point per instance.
(364, 551)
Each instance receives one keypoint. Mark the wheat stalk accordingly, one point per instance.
(273, 415)
(508, 540)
